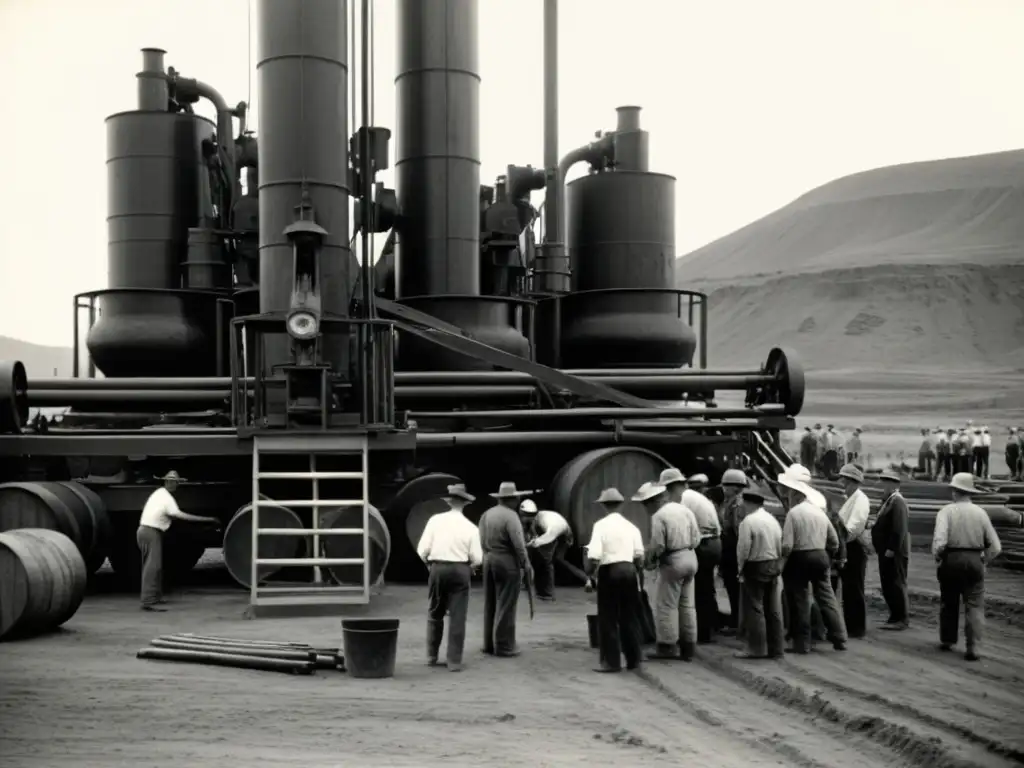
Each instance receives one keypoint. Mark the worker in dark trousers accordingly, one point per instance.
(963, 542)
(986, 453)
(709, 551)
(926, 454)
(837, 562)
(941, 455)
(450, 546)
(730, 513)
(505, 561)
(963, 456)
(548, 537)
(809, 543)
(831, 444)
(1012, 453)
(616, 555)
(759, 552)
(161, 509)
(854, 516)
(890, 536)
(808, 447)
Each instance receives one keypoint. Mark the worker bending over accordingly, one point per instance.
(674, 537)
(505, 562)
(808, 542)
(548, 536)
(450, 546)
(854, 515)
(964, 541)
(758, 554)
(890, 537)
(616, 554)
(160, 511)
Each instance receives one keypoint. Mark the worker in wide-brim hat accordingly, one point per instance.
(671, 549)
(506, 561)
(450, 546)
(548, 538)
(759, 549)
(161, 509)
(809, 544)
(854, 516)
(963, 542)
(730, 513)
(615, 554)
(890, 536)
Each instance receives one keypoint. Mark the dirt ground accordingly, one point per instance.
(81, 698)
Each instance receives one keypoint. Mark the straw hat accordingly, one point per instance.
(172, 476)
(610, 496)
(648, 491)
(528, 507)
(735, 477)
(798, 478)
(964, 482)
(458, 491)
(891, 476)
(851, 472)
(508, 490)
(699, 479)
(671, 476)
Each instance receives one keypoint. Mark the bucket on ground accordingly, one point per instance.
(371, 646)
(592, 633)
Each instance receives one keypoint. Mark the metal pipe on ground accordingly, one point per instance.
(228, 660)
(188, 637)
(321, 660)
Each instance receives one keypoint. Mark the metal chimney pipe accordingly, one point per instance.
(437, 152)
(552, 212)
(152, 81)
(302, 80)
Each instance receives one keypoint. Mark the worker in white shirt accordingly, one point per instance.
(548, 536)
(926, 454)
(854, 448)
(854, 515)
(450, 546)
(758, 553)
(709, 552)
(809, 541)
(160, 511)
(964, 540)
(830, 452)
(615, 555)
(984, 454)
(674, 537)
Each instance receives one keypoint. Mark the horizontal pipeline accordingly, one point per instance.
(602, 413)
(442, 439)
(56, 398)
(730, 379)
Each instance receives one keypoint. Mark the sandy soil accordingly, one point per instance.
(80, 698)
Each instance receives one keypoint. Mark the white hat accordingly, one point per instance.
(798, 478)
(610, 496)
(528, 507)
(964, 482)
(670, 476)
(699, 479)
(508, 490)
(171, 475)
(648, 491)
(458, 491)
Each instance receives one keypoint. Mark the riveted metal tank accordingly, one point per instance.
(154, 161)
(621, 239)
(302, 81)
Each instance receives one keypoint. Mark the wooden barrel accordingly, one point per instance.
(93, 520)
(410, 508)
(580, 482)
(42, 581)
(238, 541)
(351, 546)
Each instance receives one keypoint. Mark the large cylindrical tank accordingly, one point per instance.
(153, 165)
(302, 79)
(621, 234)
(437, 152)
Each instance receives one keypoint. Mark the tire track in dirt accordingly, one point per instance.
(662, 691)
(913, 741)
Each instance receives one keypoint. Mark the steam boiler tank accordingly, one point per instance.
(620, 234)
(154, 161)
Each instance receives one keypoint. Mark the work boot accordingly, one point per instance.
(971, 656)
(664, 651)
(687, 650)
(896, 626)
(153, 608)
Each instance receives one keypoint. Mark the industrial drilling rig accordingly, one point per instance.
(331, 402)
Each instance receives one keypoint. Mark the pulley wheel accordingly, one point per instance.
(13, 397)
(787, 386)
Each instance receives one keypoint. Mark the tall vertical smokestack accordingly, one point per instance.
(437, 155)
(302, 79)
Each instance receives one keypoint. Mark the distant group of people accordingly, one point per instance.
(944, 452)
(823, 450)
(802, 580)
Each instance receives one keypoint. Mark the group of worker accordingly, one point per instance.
(944, 452)
(823, 450)
(770, 570)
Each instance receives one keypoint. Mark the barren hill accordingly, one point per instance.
(40, 362)
(920, 264)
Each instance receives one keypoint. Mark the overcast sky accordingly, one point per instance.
(750, 103)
